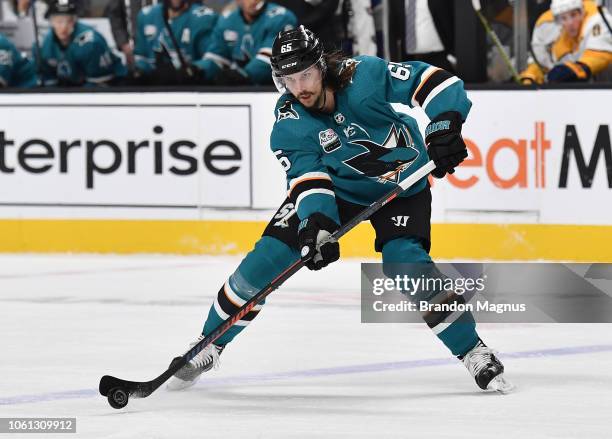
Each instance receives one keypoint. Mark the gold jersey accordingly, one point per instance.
(552, 46)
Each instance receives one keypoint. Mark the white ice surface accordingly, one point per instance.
(67, 320)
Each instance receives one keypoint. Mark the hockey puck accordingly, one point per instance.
(118, 397)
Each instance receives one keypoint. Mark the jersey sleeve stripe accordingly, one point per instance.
(429, 85)
(101, 79)
(266, 51)
(578, 71)
(424, 77)
(219, 60)
(439, 89)
(308, 176)
(264, 58)
(308, 184)
(309, 192)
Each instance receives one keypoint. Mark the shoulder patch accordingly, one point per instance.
(202, 11)
(84, 38)
(286, 112)
(150, 30)
(231, 36)
(277, 10)
(6, 58)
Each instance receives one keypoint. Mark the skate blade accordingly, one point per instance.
(501, 384)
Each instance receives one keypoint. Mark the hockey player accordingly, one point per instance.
(242, 43)
(571, 42)
(342, 146)
(156, 54)
(15, 70)
(74, 53)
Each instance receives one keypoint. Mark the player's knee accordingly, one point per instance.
(266, 261)
(405, 250)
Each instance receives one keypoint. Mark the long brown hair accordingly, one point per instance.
(339, 69)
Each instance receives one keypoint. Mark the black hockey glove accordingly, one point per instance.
(445, 146)
(311, 233)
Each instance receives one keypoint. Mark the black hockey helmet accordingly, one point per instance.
(62, 7)
(295, 50)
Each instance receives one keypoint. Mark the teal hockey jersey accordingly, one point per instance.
(87, 60)
(15, 70)
(192, 31)
(363, 148)
(247, 46)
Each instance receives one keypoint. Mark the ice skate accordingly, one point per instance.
(486, 369)
(191, 372)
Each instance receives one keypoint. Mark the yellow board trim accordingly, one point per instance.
(450, 241)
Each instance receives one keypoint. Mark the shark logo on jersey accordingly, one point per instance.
(385, 161)
(84, 38)
(63, 69)
(329, 140)
(286, 112)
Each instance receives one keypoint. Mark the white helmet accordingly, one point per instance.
(558, 7)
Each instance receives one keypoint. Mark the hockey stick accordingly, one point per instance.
(178, 50)
(494, 37)
(118, 391)
(39, 65)
(601, 10)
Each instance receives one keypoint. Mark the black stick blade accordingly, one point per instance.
(135, 389)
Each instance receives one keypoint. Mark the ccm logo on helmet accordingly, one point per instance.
(286, 66)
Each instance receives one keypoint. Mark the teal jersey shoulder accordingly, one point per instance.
(247, 46)
(87, 60)
(15, 70)
(365, 147)
(192, 31)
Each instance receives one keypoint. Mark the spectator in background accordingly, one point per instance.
(361, 28)
(242, 43)
(74, 53)
(117, 15)
(422, 30)
(571, 42)
(318, 16)
(123, 15)
(22, 8)
(15, 70)
(173, 58)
